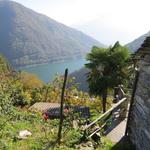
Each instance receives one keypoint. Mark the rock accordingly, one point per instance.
(24, 134)
(85, 146)
(75, 124)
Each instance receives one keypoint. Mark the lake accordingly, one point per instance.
(47, 72)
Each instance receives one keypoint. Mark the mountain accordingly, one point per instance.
(80, 79)
(29, 38)
(134, 45)
(104, 31)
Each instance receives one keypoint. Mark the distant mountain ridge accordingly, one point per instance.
(29, 38)
(134, 45)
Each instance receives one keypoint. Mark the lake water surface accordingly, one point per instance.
(47, 72)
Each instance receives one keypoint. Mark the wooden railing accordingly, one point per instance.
(108, 120)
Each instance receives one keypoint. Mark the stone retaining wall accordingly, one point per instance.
(139, 125)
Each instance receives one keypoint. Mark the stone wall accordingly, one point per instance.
(139, 124)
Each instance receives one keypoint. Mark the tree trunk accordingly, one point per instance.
(104, 100)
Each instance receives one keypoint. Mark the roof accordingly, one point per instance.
(145, 47)
(43, 106)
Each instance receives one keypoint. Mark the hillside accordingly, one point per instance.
(29, 38)
(80, 79)
(134, 45)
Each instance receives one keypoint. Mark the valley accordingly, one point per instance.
(47, 72)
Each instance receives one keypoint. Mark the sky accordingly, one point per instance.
(105, 20)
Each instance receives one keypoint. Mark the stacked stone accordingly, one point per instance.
(145, 47)
(139, 125)
(146, 42)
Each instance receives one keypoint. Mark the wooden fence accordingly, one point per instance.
(107, 121)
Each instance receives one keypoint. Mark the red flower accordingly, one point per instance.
(45, 117)
(66, 110)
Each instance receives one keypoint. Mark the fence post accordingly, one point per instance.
(123, 110)
(61, 106)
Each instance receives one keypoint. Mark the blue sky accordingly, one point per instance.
(106, 20)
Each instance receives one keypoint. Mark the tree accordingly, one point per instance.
(4, 67)
(108, 68)
(30, 81)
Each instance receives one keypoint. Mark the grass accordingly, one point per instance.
(123, 144)
(44, 133)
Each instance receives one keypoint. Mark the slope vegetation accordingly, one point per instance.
(29, 38)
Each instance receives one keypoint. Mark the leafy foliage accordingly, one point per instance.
(30, 81)
(18, 90)
(108, 68)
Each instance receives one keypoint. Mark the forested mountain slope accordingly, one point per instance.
(30, 38)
